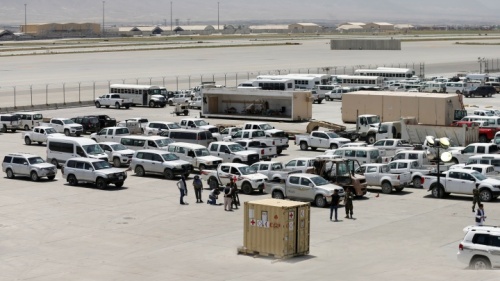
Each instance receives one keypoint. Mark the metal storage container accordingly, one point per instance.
(274, 227)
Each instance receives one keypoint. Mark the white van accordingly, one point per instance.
(489, 159)
(201, 137)
(146, 142)
(28, 120)
(197, 155)
(60, 149)
(456, 87)
(364, 155)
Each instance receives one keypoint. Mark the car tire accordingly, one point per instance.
(246, 188)
(334, 146)
(117, 105)
(127, 106)
(483, 139)
(170, 103)
(168, 174)
(27, 141)
(54, 162)
(313, 148)
(320, 201)
(66, 132)
(72, 180)
(116, 162)
(10, 174)
(51, 177)
(417, 182)
(151, 104)
(119, 184)
(101, 183)
(279, 151)
(437, 191)
(480, 263)
(26, 127)
(237, 160)
(202, 167)
(278, 195)
(139, 171)
(399, 189)
(370, 139)
(34, 176)
(485, 195)
(303, 145)
(386, 187)
(97, 104)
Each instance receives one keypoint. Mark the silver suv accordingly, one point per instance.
(480, 248)
(91, 170)
(159, 162)
(24, 164)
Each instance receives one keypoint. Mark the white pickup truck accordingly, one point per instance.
(380, 175)
(265, 152)
(274, 170)
(247, 179)
(113, 100)
(305, 187)
(320, 139)
(65, 125)
(113, 134)
(39, 134)
(179, 98)
(462, 155)
(117, 153)
(270, 132)
(136, 125)
(257, 134)
(413, 167)
(462, 181)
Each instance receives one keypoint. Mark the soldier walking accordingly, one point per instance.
(475, 199)
(349, 208)
(235, 198)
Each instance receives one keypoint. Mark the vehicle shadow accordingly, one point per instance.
(110, 187)
(457, 197)
(27, 178)
(393, 193)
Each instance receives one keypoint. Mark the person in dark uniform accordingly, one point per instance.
(349, 208)
(236, 198)
(198, 187)
(335, 204)
(475, 199)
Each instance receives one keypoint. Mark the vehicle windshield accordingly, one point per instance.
(200, 123)
(93, 149)
(35, 160)
(101, 165)
(276, 166)
(37, 117)
(373, 119)
(118, 147)
(201, 152)
(49, 131)
(258, 134)
(332, 135)
(247, 170)
(385, 169)
(374, 154)
(478, 176)
(266, 127)
(236, 147)
(319, 181)
(174, 126)
(164, 142)
(169, 157)
(68, 121)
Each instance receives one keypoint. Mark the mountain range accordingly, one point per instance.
(328, 12)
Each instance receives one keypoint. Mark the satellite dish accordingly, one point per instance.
(445, 142)
(446, 156)
(430, 140)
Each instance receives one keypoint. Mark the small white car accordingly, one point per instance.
(150, 161)
(196, 103)
(91, 170)
(480, 247)
(23, 164)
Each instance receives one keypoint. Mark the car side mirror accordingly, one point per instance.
(461, 151)
(227, 151)
(311, 185)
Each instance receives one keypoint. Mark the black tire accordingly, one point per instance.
(34, 176)
(117, 105)
(72, 180)
(278, 195)
(437, 191)
(51, 177)
(386, 187)
(116, 162)
(313, 148)
(202, 167)
(119, 184)
(246, 188)
(151, 104)
(10, 174)
(334, 146)
(170, 103)
(370, 139)
(483, 139)
(27, 141)
(4, 128)
(458, 92)
(66, 132)
(480, 263)
(26, 127)
(454, 161)
(168, 174)
(399, 189)
(139, 171)
(320, 100)
(279, 151)
(107, 106)
(485, 195)
(177, 113)
(78, 134)
(13, 130)
(303, 145)
(320, 201)
(237, 160)
(40, 142)
(185, 112)
(127, 106)
(97, 104)
(54, 162)
(101, 183)
(417, 182)
(213, 183)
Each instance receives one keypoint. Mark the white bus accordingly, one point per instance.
(388, 73)
(269, 84)
(301, 81)
(140, 94)
(361, 82)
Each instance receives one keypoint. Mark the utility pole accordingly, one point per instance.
(25, 21)
(171, 20)
(103, 2)
(217, 15)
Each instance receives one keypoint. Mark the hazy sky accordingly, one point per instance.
(230, 11)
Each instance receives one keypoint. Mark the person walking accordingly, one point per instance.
(480, 215)
(228, 197)
(213, 196)
(181, 184)
(335, 204)
(198, 187)
(235, 200)
(349, 208)
(475, 198)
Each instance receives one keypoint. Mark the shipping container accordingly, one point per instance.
(274, 227)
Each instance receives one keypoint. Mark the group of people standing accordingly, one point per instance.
(231, 197)
(349, 207)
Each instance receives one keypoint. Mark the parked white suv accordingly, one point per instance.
(91, 170)
(159, 162)
(24, 164)
(480, 247)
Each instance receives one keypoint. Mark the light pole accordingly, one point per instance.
(25, 18)
(103, 2)
(217, 15)
(171, 21)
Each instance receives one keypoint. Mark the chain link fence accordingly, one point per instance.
(65, 93)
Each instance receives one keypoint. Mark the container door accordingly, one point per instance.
(291, 231)
(303, 229)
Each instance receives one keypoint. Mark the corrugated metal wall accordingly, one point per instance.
(365, 44)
